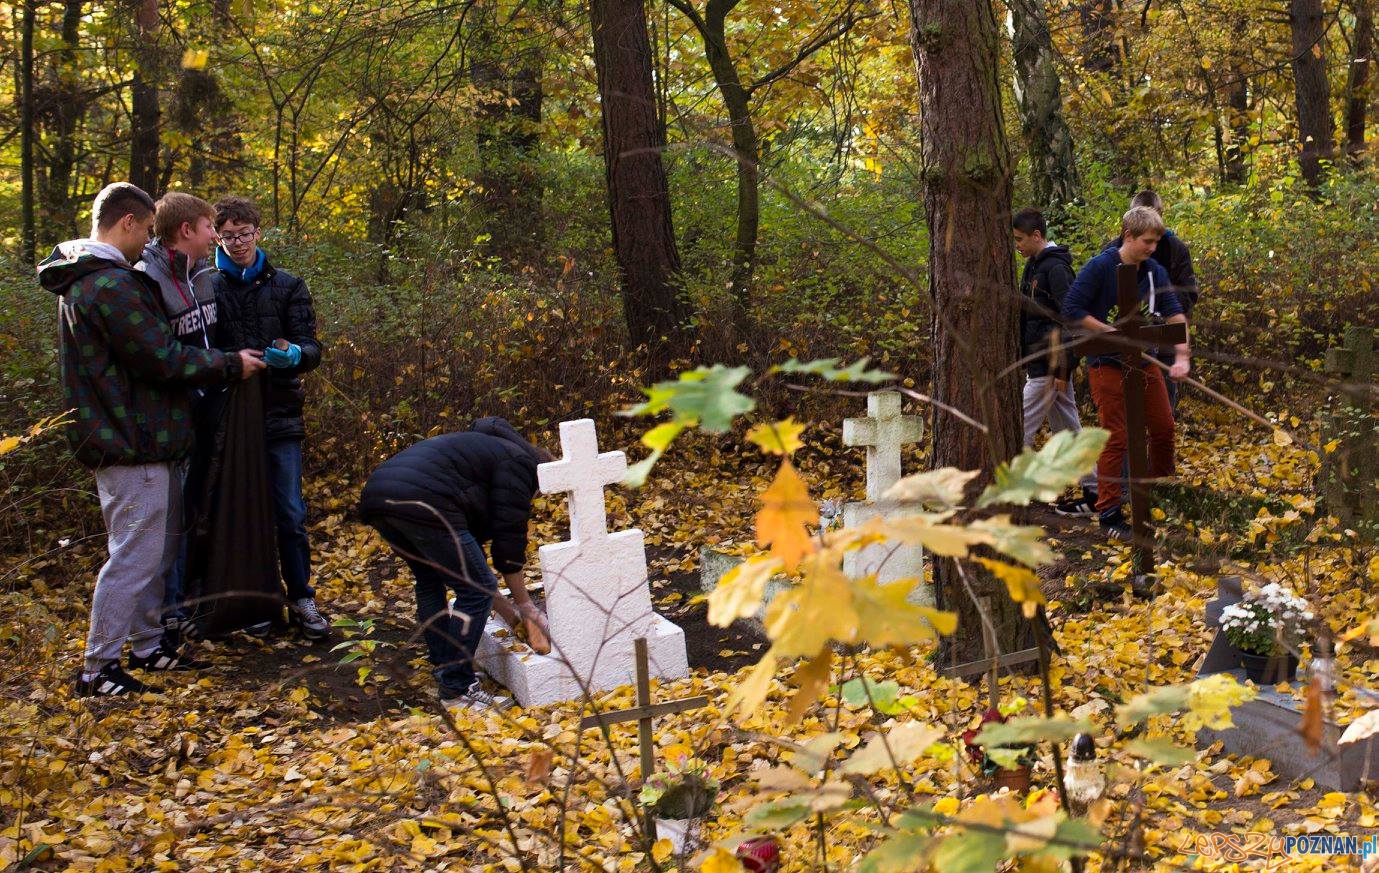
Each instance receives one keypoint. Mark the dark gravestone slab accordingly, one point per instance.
(1267, 727)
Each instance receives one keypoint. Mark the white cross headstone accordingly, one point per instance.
(598, 601)
(884, 432)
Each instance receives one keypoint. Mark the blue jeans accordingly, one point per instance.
(173, 608)
(439, 567)
(289, 511)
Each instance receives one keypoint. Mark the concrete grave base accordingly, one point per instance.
(713, 565)
(1267, 727)
(537, 680)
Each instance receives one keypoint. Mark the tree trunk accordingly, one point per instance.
(1357, 83)
(1039, 97)
(508, 138)
(746, 152)
(26, 132)
(638, 194)
(966, 172)
(144, 109)
(60, 112)
(1316, 129)
(1238, 122)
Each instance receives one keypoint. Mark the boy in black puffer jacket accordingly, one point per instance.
(262, 307)
(436, 503)
(1049, 392)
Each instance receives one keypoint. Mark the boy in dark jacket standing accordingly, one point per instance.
(1049, 391)
(262, 307)
(436, 503)
(1091, 304)
(127, 377)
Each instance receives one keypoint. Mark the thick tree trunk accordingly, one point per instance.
(26, 132)
(1316, 129)
(638, 194)
(144, 109)
(1039, 97)
(966, 172)
(1357, 83)
(508, 140)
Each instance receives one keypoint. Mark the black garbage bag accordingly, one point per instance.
(232, 559)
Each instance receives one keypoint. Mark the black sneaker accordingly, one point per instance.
(111, 681)
(1077, 507)
(163, 658)
(1115, 528)
(260, 630)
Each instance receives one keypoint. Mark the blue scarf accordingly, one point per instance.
(243, 274)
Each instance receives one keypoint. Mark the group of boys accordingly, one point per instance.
(1058, 307)
(151, 327)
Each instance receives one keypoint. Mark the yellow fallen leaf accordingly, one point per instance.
(662, 850)
(785, 510)
(721, 862)
(812, 678)
(780, 438)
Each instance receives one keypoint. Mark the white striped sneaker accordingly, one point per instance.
(163, 658)
(111, 681)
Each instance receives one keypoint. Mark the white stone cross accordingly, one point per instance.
(584, 473)
(884, 433)
(598, 601)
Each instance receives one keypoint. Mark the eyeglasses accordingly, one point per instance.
(246, 236)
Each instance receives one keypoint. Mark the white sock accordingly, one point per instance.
(87, 677)
(146, 652)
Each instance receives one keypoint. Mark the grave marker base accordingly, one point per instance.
(1267, 727)
(537, 680)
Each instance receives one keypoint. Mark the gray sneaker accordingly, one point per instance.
(304, 614)
(476, 699)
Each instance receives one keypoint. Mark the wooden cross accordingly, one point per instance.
(994, 660)
(643, 714)
(1133, 335)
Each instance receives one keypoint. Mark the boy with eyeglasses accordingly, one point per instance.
(262, 307)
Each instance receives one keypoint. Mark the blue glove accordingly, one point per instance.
(281, 358)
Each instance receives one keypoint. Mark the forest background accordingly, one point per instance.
(437, 172)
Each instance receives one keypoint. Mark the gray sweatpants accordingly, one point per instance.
(142, 506)
(1042, 400)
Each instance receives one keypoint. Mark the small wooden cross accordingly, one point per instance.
(643, 714)
(994, 660)
(1133, 335)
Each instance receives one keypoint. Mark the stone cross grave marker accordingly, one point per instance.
(597, 597)
(1348, 475)
(644, 714)
(884, 432)
(1133, 335)
(1267, 727)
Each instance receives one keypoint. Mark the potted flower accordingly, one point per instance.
(1266, 627)
(1009, 766)
(680, 798)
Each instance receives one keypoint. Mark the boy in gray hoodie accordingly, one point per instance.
(178, 260)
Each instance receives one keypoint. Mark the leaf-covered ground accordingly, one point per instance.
(282, 758)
